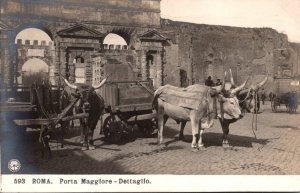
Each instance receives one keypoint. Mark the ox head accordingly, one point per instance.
(230, 107)
(247, 97)
(229, 102)
(85, 92)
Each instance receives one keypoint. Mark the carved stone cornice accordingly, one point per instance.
(80, 31)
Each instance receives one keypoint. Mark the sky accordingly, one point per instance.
(40, 35)
(35, 65)
(281, 15)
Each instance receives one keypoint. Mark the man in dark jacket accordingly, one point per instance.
(209, 82)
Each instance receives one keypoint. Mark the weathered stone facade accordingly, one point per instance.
(295, 58)
(197, 51)
(168, 52)
(78, 29)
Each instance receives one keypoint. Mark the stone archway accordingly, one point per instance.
(71, 32)
(34, 69)
(115, 41)
(28, 47)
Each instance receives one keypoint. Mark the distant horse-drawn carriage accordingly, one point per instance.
(286, 94)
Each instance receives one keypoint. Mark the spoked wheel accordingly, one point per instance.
(112, 131)
(148, 126)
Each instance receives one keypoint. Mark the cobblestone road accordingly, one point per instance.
(276, 150)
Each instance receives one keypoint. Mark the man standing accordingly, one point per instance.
(263, 96)
(209, 82)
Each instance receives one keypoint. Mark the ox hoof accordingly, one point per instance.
(84, 147)
(226, 145)
(202, 148)
(195, 149)
(163, 147)
(91, 147)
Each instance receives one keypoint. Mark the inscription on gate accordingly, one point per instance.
(36, 52)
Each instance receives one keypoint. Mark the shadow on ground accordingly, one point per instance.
(24, 146)
(215, 139)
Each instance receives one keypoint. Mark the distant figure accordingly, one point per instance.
(209, 82)
(293, 102)
(272, 96)
(263, 97)
(218, 82)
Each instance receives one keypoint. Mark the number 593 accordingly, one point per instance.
(19, 181)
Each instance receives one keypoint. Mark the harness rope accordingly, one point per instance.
(254, 117)
(215, 108)
(256, 114)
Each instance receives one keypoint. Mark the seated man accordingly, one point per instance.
(218, 82)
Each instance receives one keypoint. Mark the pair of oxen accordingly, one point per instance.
(228, 101)
(234, 101)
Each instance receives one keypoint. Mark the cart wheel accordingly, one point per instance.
(147, 127)
(111, 130)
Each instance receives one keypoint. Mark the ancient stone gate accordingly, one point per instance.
(78, 28)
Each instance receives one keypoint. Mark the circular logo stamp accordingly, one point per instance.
(14, 165)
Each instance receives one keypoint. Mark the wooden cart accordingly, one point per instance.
(129, 105)
(41, 112)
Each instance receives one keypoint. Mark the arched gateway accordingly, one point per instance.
(78, 28)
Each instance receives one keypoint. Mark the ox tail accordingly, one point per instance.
(155, 101)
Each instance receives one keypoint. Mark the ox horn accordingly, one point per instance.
(237, 89)
(262, 83)
(69, 84)
(100, 85)
(231, 79)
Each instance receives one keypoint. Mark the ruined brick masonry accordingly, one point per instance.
(198, 51)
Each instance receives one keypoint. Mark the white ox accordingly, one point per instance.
(204, 108)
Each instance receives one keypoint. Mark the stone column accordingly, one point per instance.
(71, 67)
(144, 64)
(63, 60)
(89, 68)
(4, 69)
(57, 63)
(158, 69)
(52, 68)
(163, 65)
(7, 57)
